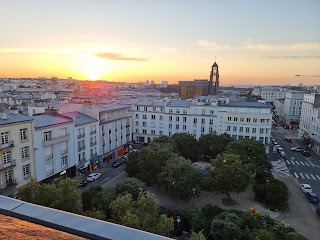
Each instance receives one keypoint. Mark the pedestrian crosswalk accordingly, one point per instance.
(308, 176)
(301, 163)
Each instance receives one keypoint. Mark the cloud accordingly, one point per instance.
(118, 56)
(293, 57)
(212, 45)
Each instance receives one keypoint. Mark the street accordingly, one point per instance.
(304, 169)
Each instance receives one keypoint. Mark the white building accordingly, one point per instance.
(201, 116)
(309, 127)
(54, 140)
(86, 135)
(16, 150)
(292, 107)
(270, 93)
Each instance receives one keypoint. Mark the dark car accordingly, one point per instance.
(82, 184)
(312, 197)
(305, 153)
(289, 140)
(118, 163)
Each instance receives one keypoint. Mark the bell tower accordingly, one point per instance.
(214, 78)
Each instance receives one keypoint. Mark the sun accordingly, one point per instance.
(92, 68)
(92, 75)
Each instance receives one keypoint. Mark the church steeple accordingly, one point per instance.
(214, 76)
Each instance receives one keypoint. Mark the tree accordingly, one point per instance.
(142, 214)
(166, 141)
(197, 236)
(132, 164)
(130, 185)
(212, 144)
(250, 151)
(178, 177)
(89, 198)
(186, 145)
(277, 193)
(260, 234)
(194, 217)
(229, 176)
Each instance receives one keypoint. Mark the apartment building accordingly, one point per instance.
(270, 93)
(309, 127)
(86, 141)
(292, 107)
(16, 150)
(201, 116)
(54, 146)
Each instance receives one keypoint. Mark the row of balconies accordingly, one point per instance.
(8, 184)
(10, 164)
(54, 140)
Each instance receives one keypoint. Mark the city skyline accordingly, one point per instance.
(253, 42)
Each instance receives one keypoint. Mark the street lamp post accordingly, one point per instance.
(193, 194)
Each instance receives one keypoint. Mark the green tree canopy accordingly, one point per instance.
(130, 185)
(178, 177)
(229, 175)
(250, 151)
(186, 145)
(212, 144)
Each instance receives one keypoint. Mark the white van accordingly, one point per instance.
(283, 154)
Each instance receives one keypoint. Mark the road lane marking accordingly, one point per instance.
(306, 164)
(318, 177)
(307, 176)
(302, 163)
(297, 163)
(301, 175)
(296, 175)
(313, 177)
(288, 162)
(105, 180)
(292, 162)
(292, 158)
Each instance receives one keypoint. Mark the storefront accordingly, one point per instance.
(120, 151)
(108, 157)
(94, 163)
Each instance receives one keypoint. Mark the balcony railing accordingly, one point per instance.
(48, 157)
(10, 164)
(64, 151)
(93, 144)
(127, 125)
(55, 140)
(10, 183)
(80, 136)
(93, 132)
(7, 145)
(93, 155)
(83, 147)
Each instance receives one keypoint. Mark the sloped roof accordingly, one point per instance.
(80, 118)
(14, 118)
(45, 120)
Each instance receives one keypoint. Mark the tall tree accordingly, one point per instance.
(250, 151)
(229, 175)
(212, 144)
(186, 145)
(130, 185)
(179, 177)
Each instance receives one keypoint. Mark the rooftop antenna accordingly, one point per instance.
(215, 59)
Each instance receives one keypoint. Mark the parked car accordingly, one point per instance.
(283, 154)
(93, 176)
(297, 149)
(289, 140)
(279, 149)
(305, 188)
(275, 143)
(82, 184)
(118, 162)
(312, 197)
(305, 153)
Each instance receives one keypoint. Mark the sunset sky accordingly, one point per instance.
(254, 42)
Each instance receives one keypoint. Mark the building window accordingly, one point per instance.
(211, 112)
(203, 111)
(64, 160)
(153, 117)
(247, 130)
(184, 111)
(153, 132)
(184, 119)
(5, 137)
(229, 118)
(145, 109)
(25, 152)
(170, 134)
(267, 130)
(177, 111)
(177, 126)
(211, 121)
(47, 136)
(194, 120)
(6, 157)
(203, 121)
(261, 130)
(241, 129)
(144, 124)
(24, 134)
(170, 126)
(8, 176)
(137, 123)
(210, 129)
(234, 128)
(26, 171)
(161, 117)
(137, 116)
(144, 116)
(254, 120)
(241, 119)
(170, 118)
(262, 120)
(144, 131)
(170, 110)
(160, 133)
(235, 119)
(177, 119)
(184, 127)
(248, 119)
(254, 130)
(228, 128)
(154, 109)
(137, 130)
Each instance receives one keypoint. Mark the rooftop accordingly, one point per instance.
(14, 118)
(245, 104)
(80, 118)
(45, 120)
